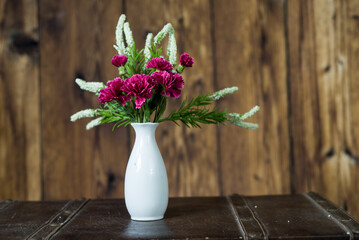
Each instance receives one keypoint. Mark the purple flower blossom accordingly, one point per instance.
(171, 82)
(113, 91)
(119, 60)
(160, 64)
(139, 86)
(186, 60)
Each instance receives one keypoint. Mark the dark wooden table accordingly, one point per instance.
(305, 216)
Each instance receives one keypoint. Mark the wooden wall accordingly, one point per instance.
(298, 60)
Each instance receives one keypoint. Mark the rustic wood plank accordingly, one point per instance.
(250, 53)
(192, 21)
(57, 221)
(189, 154)
(18, 220)
(287, 217)
(323, 124)
(306, 127)
(349, 163)
(20, 157)
(77, 39)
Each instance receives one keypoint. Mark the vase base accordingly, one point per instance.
(146, 219)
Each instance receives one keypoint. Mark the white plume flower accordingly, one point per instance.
(247, 125)
(250, 113)
(117, 49)
(237, 119)
(119, 35)
(221, 93)
(129, 36)
(148, 46)
(94, 123)
(94, 87)
(172, 48)
(83, 114)
(161, 35)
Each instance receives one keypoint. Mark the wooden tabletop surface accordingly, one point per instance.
(304, 216)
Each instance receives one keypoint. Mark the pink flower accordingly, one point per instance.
(113, 91)
(139, 86)
(119, 60)
(186, 60)
(106, 95)
(160, 64)
(171, 82)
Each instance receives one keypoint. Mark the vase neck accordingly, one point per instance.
(144, 128)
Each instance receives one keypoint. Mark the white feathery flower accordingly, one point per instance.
(250, 113)
(165, 30)
(119, 34)
(221, 93)
(94, 87)
(148, 46)
(234, 117)
(237, 119)
(128, 35)
(172, 48)
(123, 49)
(83, 114)
(247, 125)
(158, 38)
(117, 49)
(171, 30)
(94, 123)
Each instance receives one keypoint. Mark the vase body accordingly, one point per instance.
(146, 184)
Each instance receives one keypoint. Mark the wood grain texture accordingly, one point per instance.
(78, 37)
(306, 129)
(350, 174)
(189, 154)
(296, 59)
(20, 123)
(250, 53)
(320, 50)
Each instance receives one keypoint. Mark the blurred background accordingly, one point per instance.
(297, 60)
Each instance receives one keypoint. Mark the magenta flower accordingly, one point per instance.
(106, 95)
(171, 82)
(113, 91)
(139, 86)
(186, 60)
(119, 60)
(160, 64)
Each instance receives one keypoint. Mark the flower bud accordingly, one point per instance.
(186, 60)
(119, 60)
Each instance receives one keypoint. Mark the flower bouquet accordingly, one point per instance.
(138, 96)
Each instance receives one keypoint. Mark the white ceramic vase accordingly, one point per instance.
(146, 184)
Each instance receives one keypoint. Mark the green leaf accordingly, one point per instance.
(193, 113)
